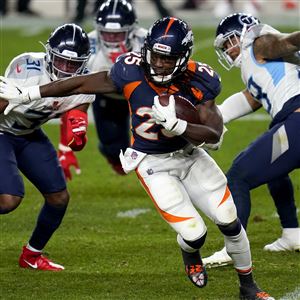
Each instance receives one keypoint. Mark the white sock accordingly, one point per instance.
(32, 249)
(238, 248)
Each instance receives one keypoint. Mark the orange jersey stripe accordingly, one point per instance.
(168, 217)
(131, 140)
(192, 66)
(162, 90)
(198, 94)
(129, 88)
(131, 136)
(225, 197)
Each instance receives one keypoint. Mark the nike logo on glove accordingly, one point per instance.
(20, 92)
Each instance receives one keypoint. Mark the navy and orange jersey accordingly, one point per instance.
(199, 83)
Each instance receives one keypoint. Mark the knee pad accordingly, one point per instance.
(231, 229)
(226, 213)
(191, 246)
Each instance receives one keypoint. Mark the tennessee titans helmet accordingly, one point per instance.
(230, 31)
(115, 21)
(172, 38)
(67, 51)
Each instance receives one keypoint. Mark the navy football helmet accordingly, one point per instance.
(231, 31)
(67, 51)
(115, 21)
(172, 38)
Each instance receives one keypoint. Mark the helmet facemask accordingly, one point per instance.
(113, 38)
(180, 62)
(65, 64)
(67, 51)
(234, 40)
(229, 35)
(114, 24)
(171, 40)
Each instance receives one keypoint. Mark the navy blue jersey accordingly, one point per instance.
(199, 83)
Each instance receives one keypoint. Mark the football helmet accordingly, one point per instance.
(67, 51)
(231, 31)
(171, 38)
(115, 21)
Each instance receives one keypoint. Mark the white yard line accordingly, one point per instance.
(132, 213)
(295, 295)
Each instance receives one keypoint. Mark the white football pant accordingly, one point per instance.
(180, 183)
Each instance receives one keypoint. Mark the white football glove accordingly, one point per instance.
(217, 145)
(166, 116)
(17, 95)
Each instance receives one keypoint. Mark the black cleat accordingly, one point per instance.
(194, 268)
(197, 275)
(253, 293)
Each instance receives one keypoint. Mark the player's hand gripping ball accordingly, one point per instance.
(185, 110)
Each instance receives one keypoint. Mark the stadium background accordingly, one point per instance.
(112, 242)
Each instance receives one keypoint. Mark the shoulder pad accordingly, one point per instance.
(26, 65)
(126, 69)
(205, 79)
(256, 31)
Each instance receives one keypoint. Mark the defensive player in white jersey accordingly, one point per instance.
(23, 145)
(269, 64)
(179, 177)
(116, 32)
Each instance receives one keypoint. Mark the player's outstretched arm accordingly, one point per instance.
(238, 105)
(94, 83)
(272, 46)
(99, 82)
(3, 105)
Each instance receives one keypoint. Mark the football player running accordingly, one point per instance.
(178, 176)
(24, 146)
(269, 65)
(116, 32)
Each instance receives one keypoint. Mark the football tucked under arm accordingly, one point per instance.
(185, 110)
(198, 125)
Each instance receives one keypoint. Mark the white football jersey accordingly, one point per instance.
(272, 83)
(29, 69)
(99, 61)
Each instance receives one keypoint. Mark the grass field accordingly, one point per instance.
(110, 256)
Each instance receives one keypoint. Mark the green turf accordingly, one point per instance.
(107, 257)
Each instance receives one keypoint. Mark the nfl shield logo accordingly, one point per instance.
(134, 155)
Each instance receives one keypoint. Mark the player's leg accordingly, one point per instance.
(273, 158)
(282, 192)
(112, 125)
(39, 163)
(11, 183)
(207, 186)
(275, 154)
(175, 207)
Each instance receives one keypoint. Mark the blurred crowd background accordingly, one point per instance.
(39, 13)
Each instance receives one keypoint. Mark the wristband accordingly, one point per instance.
(179, 127)
(32, 93)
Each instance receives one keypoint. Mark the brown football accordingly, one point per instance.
(185, 110)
